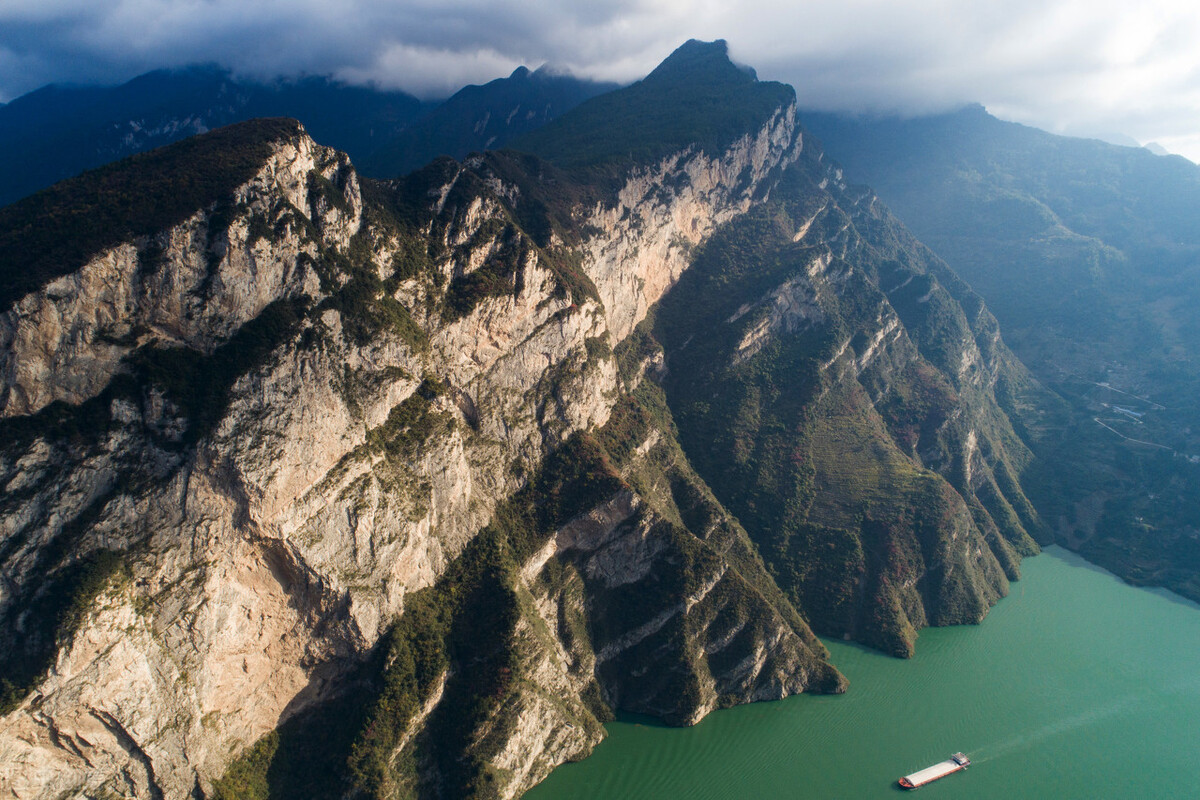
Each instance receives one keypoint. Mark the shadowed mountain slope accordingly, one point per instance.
(479, 118)
(56, 132)
(1090, 255)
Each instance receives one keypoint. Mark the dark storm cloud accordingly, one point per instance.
(427, 47)
(1066, 65)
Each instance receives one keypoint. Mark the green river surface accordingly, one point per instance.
(1075, 686)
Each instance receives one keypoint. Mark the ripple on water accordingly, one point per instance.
(1071, 686)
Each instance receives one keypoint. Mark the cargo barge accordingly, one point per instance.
(930, 774)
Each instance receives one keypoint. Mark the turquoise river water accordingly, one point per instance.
(1075, 686)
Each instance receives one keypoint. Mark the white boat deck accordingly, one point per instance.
(939, 770)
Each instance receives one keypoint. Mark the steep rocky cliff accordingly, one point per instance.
(849, 403)
(1088, 254)
(342, 487)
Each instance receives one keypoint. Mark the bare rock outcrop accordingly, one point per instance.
(269, 538)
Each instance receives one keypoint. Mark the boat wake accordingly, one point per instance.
(1024, 741)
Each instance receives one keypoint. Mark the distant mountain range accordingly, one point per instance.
(56, 132)
(479, 118)
(1089, 254)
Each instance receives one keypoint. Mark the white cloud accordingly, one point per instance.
(1066, 65)
(428, 71)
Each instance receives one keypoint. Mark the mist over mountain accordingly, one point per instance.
(1089, 253)
(1083, 68)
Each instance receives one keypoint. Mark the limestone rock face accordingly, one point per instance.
(192, 285)
(270, 523)
(654, 232)
(453, 466)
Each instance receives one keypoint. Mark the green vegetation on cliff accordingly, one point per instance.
(536, 223)
(707, 543)
(454, 653)
(837, 437)
(454, 638)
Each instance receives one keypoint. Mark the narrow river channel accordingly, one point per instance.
(1075, 686)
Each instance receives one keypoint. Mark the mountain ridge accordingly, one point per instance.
(51, 141)
(421, 465)
(696, 97)
(56, 132)
(478, 118)
(1087, 252)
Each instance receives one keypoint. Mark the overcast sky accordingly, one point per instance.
(1086, 67)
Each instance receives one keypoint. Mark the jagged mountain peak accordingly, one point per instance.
(551, 70)
(548, 72)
